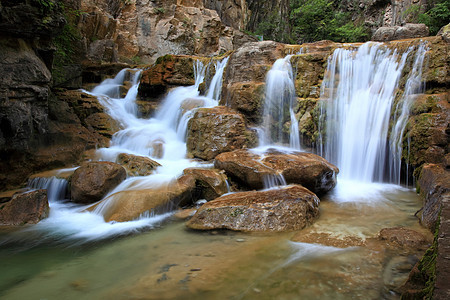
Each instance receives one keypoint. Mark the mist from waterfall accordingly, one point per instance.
(359, 92)
(279, 104)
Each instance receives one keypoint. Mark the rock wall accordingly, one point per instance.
(140, 31)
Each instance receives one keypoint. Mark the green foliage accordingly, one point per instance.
(437, 16)
(315, 20)
(47, 5)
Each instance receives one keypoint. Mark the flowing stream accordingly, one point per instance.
(75, 254)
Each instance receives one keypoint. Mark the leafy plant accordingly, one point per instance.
(437, 16)
(314, 20)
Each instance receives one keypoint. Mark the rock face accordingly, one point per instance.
(137, 165)
(285, 209)
(408, 31)
(212, 131)
(93, 180)
(141, 31)
(253, 170)
(434, 182)
(25, 208)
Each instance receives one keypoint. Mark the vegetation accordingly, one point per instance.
(437, 16)
(315, 20)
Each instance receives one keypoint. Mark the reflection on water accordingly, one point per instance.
(336, 258)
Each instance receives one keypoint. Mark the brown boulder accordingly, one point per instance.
(251, 169)
(25, 208)
(212, 131)
(285, 209)
(93, 180)
(137, 165)
(128, 205)
(211, 183)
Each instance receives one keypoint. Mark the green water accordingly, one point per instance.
(173, 262)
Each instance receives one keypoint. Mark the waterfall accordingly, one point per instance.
(56, 187)
(215, 87)
(359, 90)
(279, 105)
(414, 85)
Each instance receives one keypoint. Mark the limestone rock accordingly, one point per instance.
(212, 131)
(251, 169)
(408, 31)
(137, 165)
(211, 183)
(434, 183)
(25, 208)
(128, 205)
(93, 180)
(285, 209)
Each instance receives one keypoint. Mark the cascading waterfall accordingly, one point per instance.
(160, 138)
(360, 87)
(215, 87)
(279, 106)
(414, 85)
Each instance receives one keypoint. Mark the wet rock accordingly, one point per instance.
(251, 169)
(212, 131)
(434, 183)
(128, 205)
(404, 238)
(211, 183)
(25, 208)
(137, 165)
(408, 31)
(246, 98)
(285, 209)
(93, 180)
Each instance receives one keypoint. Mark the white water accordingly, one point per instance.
(359, 88)
(279, 106)
(161, 138)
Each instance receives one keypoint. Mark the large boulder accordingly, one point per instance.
(212, 131)
(289, 208)
(252, 169)
(408, 31)
(137, 165)
(130, 204)
(25, 208)
(93, 180)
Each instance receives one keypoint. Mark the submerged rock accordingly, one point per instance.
(288, 208)
(25, 208)
(216, 130)
(93, 180)
(137, 165)
(251, 169)
(403, 237)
